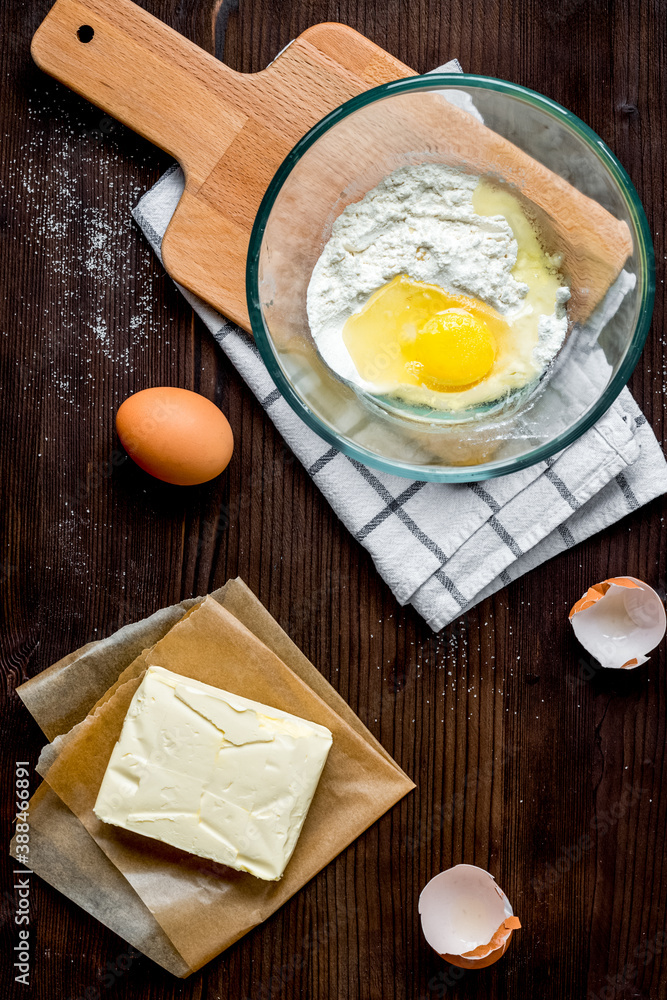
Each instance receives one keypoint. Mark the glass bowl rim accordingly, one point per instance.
(646, 274)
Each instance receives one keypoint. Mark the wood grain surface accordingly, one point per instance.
(528, 762)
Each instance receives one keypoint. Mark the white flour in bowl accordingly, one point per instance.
(421, 221)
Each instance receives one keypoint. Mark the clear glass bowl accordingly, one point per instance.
(347, 154)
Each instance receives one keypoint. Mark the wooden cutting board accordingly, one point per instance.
(229, 131)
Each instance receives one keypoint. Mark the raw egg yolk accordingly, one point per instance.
(453, 350)
(413, 333)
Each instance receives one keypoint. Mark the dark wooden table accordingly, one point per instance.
(533, 757)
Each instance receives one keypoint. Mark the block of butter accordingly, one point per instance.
(213, 773)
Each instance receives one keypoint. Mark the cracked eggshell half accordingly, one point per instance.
(619, 621)
(466, 917)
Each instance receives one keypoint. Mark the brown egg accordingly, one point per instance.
(175, 435)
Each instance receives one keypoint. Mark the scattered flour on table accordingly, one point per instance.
(68, 194)
(69, 208)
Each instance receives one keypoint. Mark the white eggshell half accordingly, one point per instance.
(461, 909)
(620, 627)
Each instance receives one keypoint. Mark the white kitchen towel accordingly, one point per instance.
(444, 547)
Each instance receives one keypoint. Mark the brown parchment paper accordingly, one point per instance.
(65, 692)
(64, 854)
(202, 907)
(63, 695)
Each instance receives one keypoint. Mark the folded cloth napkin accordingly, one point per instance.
(444, 547)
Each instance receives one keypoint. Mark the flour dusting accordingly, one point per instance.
(77, 222)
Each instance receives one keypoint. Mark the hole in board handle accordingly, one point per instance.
(85, 33)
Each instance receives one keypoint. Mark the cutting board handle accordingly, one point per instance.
(138, 70)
